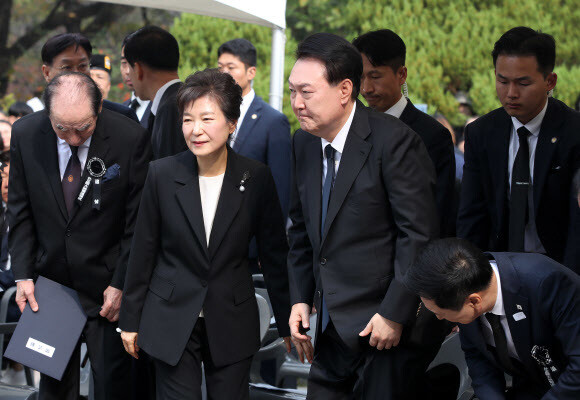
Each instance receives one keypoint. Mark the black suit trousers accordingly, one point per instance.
(110, 365)
(183, 381)
(338, 373)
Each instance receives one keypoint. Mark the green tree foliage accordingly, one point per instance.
(199, 38)
(449, 42)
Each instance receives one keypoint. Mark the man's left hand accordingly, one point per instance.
(384, 332)
(111, 304)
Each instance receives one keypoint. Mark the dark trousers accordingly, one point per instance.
(110, 365)
(183, 381)
(338, 373)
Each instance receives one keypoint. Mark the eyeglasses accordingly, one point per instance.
(82, 67)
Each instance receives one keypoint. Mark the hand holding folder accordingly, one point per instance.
(45, 340)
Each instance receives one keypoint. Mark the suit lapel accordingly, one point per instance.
(188, 197)
(498, 162)
(99, 148)
(228, 204)
(355, 153)
(248, 123)
(48, 151)
(547, 142)
(516, 304)
(312, 157)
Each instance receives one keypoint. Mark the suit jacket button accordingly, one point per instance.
(204, 283)
(323, 261)
(68, 233)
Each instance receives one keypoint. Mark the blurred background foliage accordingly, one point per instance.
(449, 42)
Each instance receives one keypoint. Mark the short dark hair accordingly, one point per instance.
(4, 159)
(523, 41)
(85, 83)
(446, 271)
(59, 43)
(340, 58)
(154, 47)
(218, 85)
(241, 48)
(382, 47)
(20, 109)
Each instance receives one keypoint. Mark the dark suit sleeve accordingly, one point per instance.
(561, 301)
(22, 240)
(273, 251)
(143, 256)
(408, 177)
(302, 283)
(442, 152)
(472, 219)
(279, 155)
(140, 157)
(487, 380)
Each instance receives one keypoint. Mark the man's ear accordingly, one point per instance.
(46, 72)
(139, 71)
(402, 75)
(251, 73)
(551, 80)
(475, 301)
(346, 88)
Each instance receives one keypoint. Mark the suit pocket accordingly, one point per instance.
(242, 292)
(40, 256)
(161, 287)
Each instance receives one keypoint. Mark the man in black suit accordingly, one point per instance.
(518, 311)
(384, 73)
(262, 133)
(72, 52)
(153, 57)
(80, 241)
(141, 107)
(520, 159)
(361, 204)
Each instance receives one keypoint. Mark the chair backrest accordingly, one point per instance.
(264, 312)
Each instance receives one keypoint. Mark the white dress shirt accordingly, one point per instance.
(532, 241)
(210, 188)
(64, 154)
(159, 95)
(141, 106)
(397, 109)
(337, 144)
(498, 309)
(244, 107)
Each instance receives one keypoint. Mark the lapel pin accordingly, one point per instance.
(518, 307)
(245, 178)
(554, 139)
(254, 116)
(519, 316)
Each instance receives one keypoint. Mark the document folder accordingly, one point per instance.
(45, 340)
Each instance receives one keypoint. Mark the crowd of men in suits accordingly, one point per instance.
(368, 192)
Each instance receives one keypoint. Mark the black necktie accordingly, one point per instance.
(500, 339)
(134, 104)
(71, 180)
(326, 191)
(519, 193)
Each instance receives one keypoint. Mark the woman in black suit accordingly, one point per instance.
(189, 296)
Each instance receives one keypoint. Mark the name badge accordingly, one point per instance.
(519, 316)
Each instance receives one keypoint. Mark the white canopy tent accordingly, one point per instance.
(271, 13)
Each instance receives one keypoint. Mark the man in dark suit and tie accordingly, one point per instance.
(78, 238)
(141, 107)
(361, 204)
(384, 73)
(520, 159)
(263, 133)
(153, 57)
(72, 52)
(519, 314)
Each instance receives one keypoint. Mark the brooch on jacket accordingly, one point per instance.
(541, 355)
(245, 178)
(98, 174)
